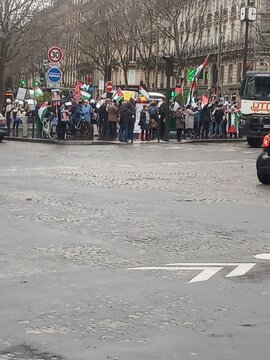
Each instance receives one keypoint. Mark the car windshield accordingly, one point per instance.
(257, 88)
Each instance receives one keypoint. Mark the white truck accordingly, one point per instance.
(255, 107)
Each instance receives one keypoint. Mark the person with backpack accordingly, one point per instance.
(144, 124)
(153, 124)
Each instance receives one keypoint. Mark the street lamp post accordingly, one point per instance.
(220, 38)
(248, 14)
(169, 73)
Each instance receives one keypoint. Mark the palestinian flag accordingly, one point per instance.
(143, 92)
(202, 67)
(119, 95)
(38, 92)
(81, 91)
(194, 86)
(85, 95)
(84, 87)
(42, 112)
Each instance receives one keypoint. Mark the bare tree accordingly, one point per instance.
(178, 21)
(15, 17)
(94, 35)
(147, 38)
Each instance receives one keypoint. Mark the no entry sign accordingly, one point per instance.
(55, 54)
(109, 86)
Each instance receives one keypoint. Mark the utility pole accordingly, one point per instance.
(220, 38)
(248, 14)
(245, 57)
(169, 73)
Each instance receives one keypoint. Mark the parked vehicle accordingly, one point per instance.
(255, 107)
(3, 127)
(263, 162)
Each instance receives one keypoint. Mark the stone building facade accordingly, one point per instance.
(223, 35)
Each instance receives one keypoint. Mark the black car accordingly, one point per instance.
(263, 162)
(3, 127)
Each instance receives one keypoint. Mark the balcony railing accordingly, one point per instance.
(227, 48)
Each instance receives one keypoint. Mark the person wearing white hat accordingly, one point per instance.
(7, 113)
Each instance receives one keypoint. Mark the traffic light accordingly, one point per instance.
(42, 77)
(22, 83)
(191, 74)
(36, 83)
(172, 95)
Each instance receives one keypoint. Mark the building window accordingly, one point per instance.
(232, 31)
(222, 74)
(162, 79)
(224, 32)
(230, 74)
(206, 77)
(216, 35)
(239, 72)
(208, 36)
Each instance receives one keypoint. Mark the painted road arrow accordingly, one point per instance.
(208, 269)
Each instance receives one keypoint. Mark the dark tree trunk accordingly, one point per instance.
(2, 85)
(126, 79)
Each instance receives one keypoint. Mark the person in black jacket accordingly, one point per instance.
(206, 120)
(103, 120)
(162, 113)
(144, 123)
(125, 121)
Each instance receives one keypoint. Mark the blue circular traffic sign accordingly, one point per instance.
(54, 75)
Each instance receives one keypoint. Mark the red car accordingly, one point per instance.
(3, 127)
(263, 162)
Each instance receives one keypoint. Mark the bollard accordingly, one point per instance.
(25, 125)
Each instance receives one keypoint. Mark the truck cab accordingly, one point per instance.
(255, 107)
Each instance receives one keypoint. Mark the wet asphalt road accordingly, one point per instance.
(75, 219)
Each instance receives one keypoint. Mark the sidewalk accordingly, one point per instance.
(107, 142)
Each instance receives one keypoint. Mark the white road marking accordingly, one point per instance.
(263, 256)
(240, 270)
(208, 269)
